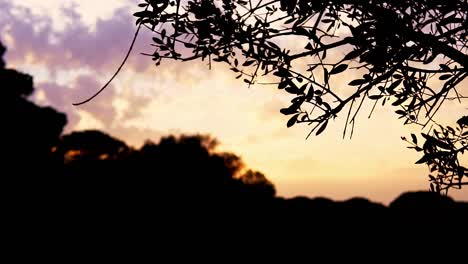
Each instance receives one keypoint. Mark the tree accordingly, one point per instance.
(29, 132)
(183, 168)
(411, 54)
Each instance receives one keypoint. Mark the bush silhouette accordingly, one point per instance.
(30, 132)
(180, 187)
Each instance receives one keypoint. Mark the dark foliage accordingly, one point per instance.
(29, 132)
(88, 193)
(410, 54)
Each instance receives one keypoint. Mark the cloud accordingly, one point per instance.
(76, 46)
(76, 60)
(60, 96)
(56, 96)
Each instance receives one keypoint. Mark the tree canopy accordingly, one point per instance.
(89, 188)
(410, 54)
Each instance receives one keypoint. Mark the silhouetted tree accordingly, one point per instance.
(29, 132)
(184, 168)
(411, 54)
(179, 192)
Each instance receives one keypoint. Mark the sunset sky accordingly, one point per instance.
(72, 47)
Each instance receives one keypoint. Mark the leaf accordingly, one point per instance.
(290, 5)
(445, 77)
(292, 120)
(190, 46)
(283, 85)
(288, 111)
(442, 144)
(301, 31)
(326, 75)
(394, 85)
(444, 67)
(282, 72)
(399, 101)
(462, 122)
(292, 90)
(289, 21)
(158, 41)
(248, 63)
(322, 128)
(375, 97)
(353, 54)
(303, 88)
(338, 69)
(357, 82)
(145, 13)
(424, 159)
(401, 112)
(310, 94)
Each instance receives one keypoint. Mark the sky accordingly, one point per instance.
(72, 48)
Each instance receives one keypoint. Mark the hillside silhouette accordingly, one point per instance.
(89, 181)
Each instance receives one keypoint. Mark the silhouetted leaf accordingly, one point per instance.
(326, 21)
(394, 85)
(463, 122)
(159, 41)
(322, 128)
(401, 112)
(326, 75)
(424, 159)
(375, 97)
(292, 120)
(288, 111)
(248, 63)
(190, 46)
(353, 54)
(399, 101)
(283, 84)
(143, 14)
(445, 77)
(338, 69)
(310, 94)
(357, 82)
(292, 90)
(301, 31)
(281, 72)
(444, 67)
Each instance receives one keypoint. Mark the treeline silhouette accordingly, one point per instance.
(89, 180)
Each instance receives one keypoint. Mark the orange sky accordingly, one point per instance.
(147, 102)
